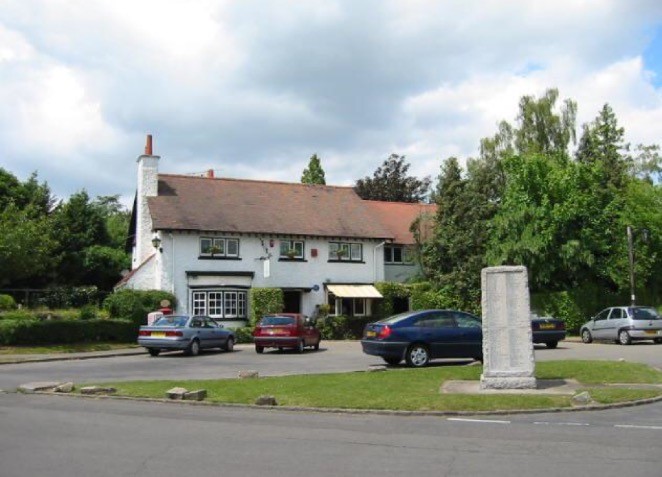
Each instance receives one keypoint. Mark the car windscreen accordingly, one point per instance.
(645, 313)
(177, 321)
(278, 321)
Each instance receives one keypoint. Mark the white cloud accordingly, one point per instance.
(253, 88)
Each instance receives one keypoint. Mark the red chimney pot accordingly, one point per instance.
(148, 145)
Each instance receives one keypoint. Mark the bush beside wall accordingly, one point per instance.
(264, 301)
(134, 305)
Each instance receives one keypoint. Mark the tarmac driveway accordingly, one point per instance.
(334, 356)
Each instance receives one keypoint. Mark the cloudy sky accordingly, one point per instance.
(252, 88)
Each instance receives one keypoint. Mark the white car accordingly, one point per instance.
(624, 324)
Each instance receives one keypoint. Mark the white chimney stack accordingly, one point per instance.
(148, 180)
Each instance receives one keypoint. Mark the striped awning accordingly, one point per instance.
(354, 291)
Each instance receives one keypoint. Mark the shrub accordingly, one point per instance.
(19, 315)
(392, 293)
(32, 332)
(134, 305)
(68, 297)
(244, 334)
(342, 327)
(263, 302)
(560, 305)
(88, 312)
(7, 303)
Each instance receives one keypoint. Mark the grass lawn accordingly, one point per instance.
(66, 348)
(411, 389)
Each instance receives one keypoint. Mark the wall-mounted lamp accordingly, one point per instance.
(156, 242)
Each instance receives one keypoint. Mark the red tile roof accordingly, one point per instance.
(246, 206)
(397, 217)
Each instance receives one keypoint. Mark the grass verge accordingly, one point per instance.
(64, 348)
(411, 389)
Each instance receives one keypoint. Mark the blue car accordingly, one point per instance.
(186, 333)
(420, 336)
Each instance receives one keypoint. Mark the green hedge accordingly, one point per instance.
(134, 305)
(343, 327)
(243, 335)
(32, 332)
(263, 302)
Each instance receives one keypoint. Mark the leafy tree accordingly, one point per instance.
(647, 163)
(313, 174)
(117, 219)
(25, 246)
(78, 224)
(37, 197)
(602, 145)
(391, 183)
(102, 265)
(541, 130)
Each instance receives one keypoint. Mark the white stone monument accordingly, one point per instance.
(508, 360)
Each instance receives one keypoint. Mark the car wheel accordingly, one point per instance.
(624, 337)
(586, 336)
(657, 340)
(417, 356)
(300, 346)
(392, 361)
(552, 344)
(229, 344)
(316, 346)
(153, 351)
(193, 349)
(259, 349)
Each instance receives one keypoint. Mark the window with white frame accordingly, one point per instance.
(219, 247)
(292, 249)
(349, 306)
(398, 254)
(346, 251)
(219, 303)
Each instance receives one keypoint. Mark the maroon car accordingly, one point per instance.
(286, 330)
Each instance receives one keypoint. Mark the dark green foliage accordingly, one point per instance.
(102, 265)
(68, 297)
(334, 328)
(313, 174)
(263, 302)
(33, 332)
(78, 224)
(134, 305)
(88, 312)
(25, 245)
(7, 303)
(391, 291)
(391, 183)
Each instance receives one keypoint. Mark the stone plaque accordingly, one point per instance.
(508, 360)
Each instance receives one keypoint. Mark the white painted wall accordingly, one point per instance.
(181, 254)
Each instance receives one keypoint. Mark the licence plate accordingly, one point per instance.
(276, 331)
(158, 334)
(547, 326)
(370, 334)
(652, 332)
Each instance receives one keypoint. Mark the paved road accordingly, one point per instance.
(50, 436)
(332, 357)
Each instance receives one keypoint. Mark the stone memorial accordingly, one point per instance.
(508, 360)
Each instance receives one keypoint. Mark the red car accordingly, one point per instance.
(286, 330)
